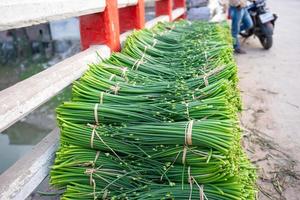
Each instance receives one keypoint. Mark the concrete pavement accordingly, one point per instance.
(270, 85)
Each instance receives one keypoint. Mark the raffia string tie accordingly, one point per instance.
(100, 138)
(101, 97)
(141, 61)
(201, 190)
(93, 136)
(111, 77)
(188, 133)
(134, 64)
(190, 180)
(184, 154)
(154, 43)
(105, 193)
(95, 133)
(94, 190)
(187, 139)
(90, 172)
(115, 88)
(124, 70)
(187, 110)
(92, 180)
(96, 158)
(96, 113)
(205, 76)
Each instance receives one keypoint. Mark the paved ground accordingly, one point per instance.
(270, 84)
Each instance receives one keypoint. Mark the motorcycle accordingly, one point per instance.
(263, 23)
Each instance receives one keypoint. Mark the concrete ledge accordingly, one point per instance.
(16, 14)
(22, 98)
(27, 173)
(123, 37)
(177, 13)
(153, 22)
(125, 3)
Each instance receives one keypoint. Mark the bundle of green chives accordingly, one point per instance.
(109, 173)
(230, 191)
(213, 134)
(102, 91)
(157, 121)
(116, 175)
(81, 112)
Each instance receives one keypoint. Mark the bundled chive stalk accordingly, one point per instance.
(120, 176)
(117, 114)
(157, 121)
(138, 71)
(144, 140)
(158, 191)
(91, 89)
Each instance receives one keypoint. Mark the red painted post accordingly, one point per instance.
(180, 4)
(132, 17)
(163, 7)
(101, 28)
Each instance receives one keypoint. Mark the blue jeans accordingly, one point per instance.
(241, 21)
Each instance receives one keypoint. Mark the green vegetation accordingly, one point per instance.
(157, 121)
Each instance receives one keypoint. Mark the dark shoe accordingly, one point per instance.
(239, 51)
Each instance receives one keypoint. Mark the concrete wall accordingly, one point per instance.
(67, 29)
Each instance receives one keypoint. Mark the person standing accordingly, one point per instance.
(241, 21)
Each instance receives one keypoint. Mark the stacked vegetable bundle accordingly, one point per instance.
(157, 121)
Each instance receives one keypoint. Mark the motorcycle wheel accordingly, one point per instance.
(267, 40)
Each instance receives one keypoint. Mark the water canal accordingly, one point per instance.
(19, 139)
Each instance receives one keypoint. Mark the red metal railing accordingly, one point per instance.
(105, 27)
